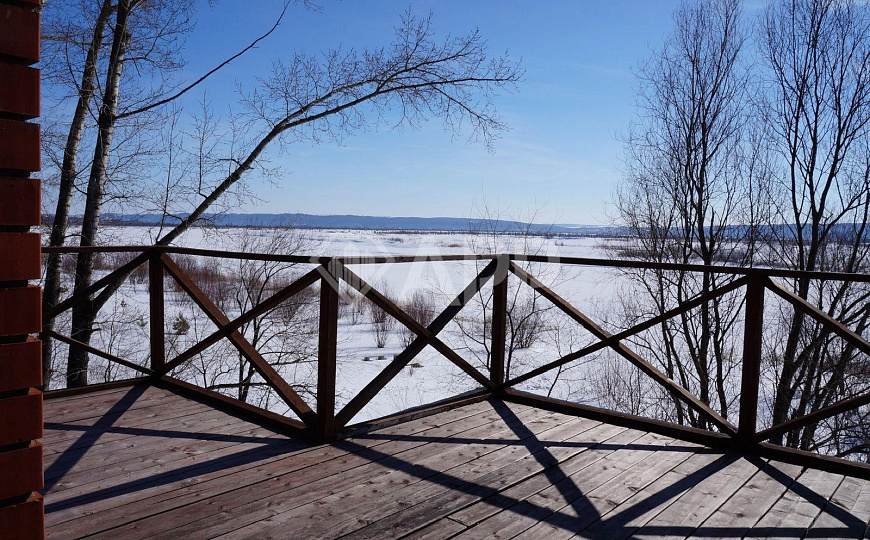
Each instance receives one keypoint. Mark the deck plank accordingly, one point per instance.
(144, 462)
(439, 530)
(62, 436)
(94, 451)
(648, 502)
(798, 508)
(301, 453)
(572, 517)
(289, 491)
(367, 504)
(681, 518)
(846, 514)
(521, 516)
(568, 463)
(51, 400)
(108, 406)
(493, 487)
(330, 463)
(384, 495)
(736, 517)
(152, 456)
(225, 476)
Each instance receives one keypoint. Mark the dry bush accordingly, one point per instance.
(208, 277)
(290, 309)
(113, 261)
(109, 262)
(102, 261)
(354, 306)
(421, 307)
(382, 323)
(351, 305)
(345, 305)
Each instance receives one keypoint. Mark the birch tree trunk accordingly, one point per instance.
(83, 315)
(60, 224)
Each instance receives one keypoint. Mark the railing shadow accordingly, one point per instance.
(252, 455)
(584, 519)
(570, 491)
(72, 455)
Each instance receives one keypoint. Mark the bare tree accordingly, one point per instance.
(702, 180)
(352, 305)
(816, 106)
(313, 99)
(116, 60)
(145, 36)
(687, 197)
(60, 36)
(495, 232)
(286, 334)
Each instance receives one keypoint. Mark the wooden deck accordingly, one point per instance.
(142, 462)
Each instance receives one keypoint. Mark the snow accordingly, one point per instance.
(429, 377)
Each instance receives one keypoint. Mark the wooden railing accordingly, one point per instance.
(324, 422)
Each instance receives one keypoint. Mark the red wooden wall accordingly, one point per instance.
(21, 507)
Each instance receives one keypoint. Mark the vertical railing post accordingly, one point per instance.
(326, 351)
(750, 382)
(156, 311)
(499, 321)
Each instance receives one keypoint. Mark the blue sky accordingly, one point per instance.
(562, 154)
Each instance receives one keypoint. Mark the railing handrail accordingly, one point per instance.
(764, 271)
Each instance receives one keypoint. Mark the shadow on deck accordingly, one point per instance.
(144, 462)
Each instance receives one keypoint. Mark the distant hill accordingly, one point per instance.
(434, 224)
(311, 221)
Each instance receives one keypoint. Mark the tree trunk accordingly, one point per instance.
(51, 285)
(84, 314)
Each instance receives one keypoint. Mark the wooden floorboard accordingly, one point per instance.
(122, 434)
(488, 493)
(107, 405)
(231, 475)
(742, 510)
(144, 462)
(51, 399)
(209, 439)
(847, 512)
(644, 464)
(224, 477)
(600, 464)
(798, 507)
(255, 502)
(441, 471)
(683, 517)
(634, 514)
(64, 435)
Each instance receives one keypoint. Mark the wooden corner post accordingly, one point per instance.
(751, 378)
(326, 352)
(499, 322)
(156, 311)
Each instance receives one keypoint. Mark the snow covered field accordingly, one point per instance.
(429, 377)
